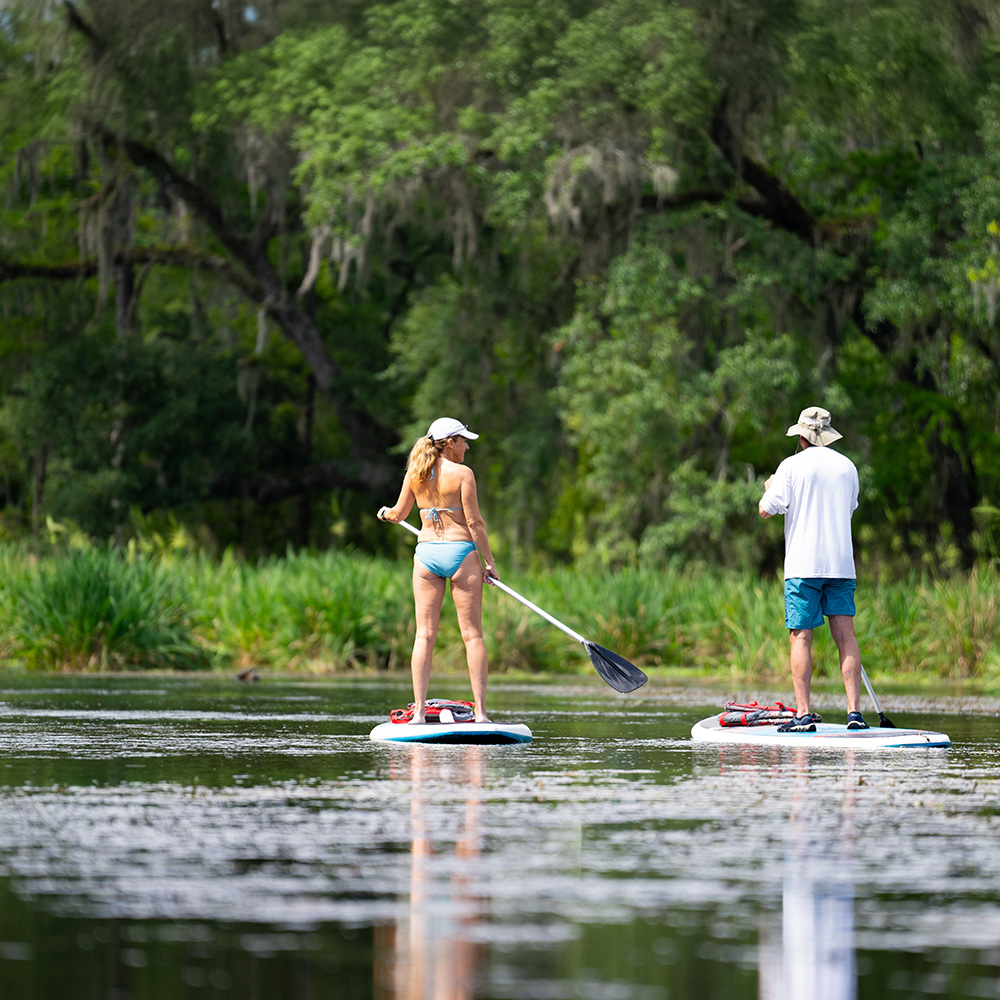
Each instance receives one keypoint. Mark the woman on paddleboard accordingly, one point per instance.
(451, 541)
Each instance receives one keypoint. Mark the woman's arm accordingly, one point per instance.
(477, 526)
(401, 509)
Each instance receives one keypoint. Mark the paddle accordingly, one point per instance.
(885, 722)
(615, 670)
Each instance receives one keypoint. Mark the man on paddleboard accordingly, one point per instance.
(816, 490)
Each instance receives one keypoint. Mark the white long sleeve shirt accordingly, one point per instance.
(817, 491)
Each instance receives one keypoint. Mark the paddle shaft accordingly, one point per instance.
(534, 607)
(517, 597)
(871, 693)
(878, 708)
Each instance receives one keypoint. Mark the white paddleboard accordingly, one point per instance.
(451, 732)
(827, 735)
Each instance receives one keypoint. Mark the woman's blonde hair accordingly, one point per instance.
(423, 455)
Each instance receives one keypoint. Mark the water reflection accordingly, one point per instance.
(816, 949)
(432, 953)
(196, 852)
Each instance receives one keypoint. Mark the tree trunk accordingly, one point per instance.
(304, 513)
(38, 488)
(124, 294)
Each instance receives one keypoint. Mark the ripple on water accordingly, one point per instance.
(565, 832)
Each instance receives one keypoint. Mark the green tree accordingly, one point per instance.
(631, 239)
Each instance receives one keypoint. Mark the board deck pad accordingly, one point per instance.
(828, 735)
(488, 733)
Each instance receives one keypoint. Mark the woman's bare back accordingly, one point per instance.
(440, 499)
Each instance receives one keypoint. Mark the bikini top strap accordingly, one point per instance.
(431, 513)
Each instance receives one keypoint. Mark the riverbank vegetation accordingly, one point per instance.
(107, 609)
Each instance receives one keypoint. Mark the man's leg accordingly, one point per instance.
(842, 630)
(801, 658)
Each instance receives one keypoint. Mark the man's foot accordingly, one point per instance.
(855, 720)
(800, 724)
(417, 720)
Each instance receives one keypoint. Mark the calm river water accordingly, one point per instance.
(174, 837)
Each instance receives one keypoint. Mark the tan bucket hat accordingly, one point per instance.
(814, 426)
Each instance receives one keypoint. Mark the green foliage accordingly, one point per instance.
(94, 609)
(879, 72)
(622, 63)
(627, 240)
(668, 427)
(132, 424)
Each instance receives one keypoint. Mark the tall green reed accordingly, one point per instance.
(633, 617)
(343, 610)
(517, 638)
(13, 572)
(241, 609)
(96, 609)
(327, 611)
(959, 627)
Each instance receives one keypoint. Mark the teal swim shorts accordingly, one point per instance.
(808, 600)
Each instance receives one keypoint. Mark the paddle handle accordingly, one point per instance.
(517, 597)
(409, 527)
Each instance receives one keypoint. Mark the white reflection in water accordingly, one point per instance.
(816, 944)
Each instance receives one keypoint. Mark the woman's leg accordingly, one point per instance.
(467, 593)
(428, 592)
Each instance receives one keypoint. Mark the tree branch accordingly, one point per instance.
(77, 23)
(293, 321)
(756, 206)
(784, 208)
(272, 487)
(176, 256)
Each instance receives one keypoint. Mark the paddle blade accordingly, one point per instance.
(614, 669)
(885, 722)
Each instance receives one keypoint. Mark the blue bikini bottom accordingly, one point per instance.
(443, 558)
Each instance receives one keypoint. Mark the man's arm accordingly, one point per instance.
(777, 494)
(760, 502)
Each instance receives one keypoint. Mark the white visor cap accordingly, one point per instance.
(448, 427)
